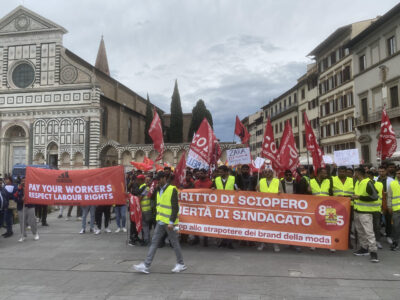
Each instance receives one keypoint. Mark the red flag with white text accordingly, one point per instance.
(156, 134)
(312, 145)
(180, 171)
(387, 143)
(241, 131)
(204, 149)
(288, 156)
(268, 149)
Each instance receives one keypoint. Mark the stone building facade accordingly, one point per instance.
(56, 108)
(376, 66)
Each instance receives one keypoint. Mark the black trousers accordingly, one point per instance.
(78, 211)
(100, 210)
(376, 220)
(41, 213)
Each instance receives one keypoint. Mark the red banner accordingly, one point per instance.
(290, 219)
(387, 143)
(156, 134)
(241, 131)
(105, 186)
(312, 145)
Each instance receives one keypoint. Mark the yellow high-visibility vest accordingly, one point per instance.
(320, 190)
(164, 208)
(145, 202)
(364, 206)
(273, 187)
(229, 185)
(395, 186)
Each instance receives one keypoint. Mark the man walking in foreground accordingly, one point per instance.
(365, 200)
(167, 219)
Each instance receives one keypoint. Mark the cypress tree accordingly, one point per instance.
(149, 118)
(176, 125)
(199, 112)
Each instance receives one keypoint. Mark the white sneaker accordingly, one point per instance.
(108, 230)
(276, 248)
(123, 229)
(389, 240)
(66, 218)
(21, 239)
(179, 268)
(312, 248)
(260, 247)
(36, 237)
(142, 268)
(332, 250)
(118, 230)
(379, 245)
(28, 228)
(97, 231)
(82, 231)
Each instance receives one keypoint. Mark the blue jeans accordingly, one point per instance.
(120, 215)
(85, 211)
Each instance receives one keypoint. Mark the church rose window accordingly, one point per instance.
(23, 75)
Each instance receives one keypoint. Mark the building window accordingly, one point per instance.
(303, 94)
(295, 121)
(394, 96)
(362, 61)
(280, 126)
(104, 121)
(290, 101)
(333, 57)
(23, 75)
(130, 130)
(295, 97)
(391, 45)
(365, 153)
(346, 73)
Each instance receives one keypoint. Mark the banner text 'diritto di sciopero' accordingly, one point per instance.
(285, 219)
(105, 186)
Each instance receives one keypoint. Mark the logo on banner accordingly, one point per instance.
(331, 215)
(64, 177)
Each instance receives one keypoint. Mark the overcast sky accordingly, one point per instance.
(235, 55)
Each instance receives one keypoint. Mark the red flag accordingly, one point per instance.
(387, 143)
(180, 171)
(141, 166)
(204, 148)
(241, 131)
(288, 155)
(156, 134)
(312, 145)
(135, 211)
(268, 149)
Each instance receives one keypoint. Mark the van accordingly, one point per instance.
(19, 170)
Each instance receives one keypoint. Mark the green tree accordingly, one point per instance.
(149, 118)
(176, 125)
(199, 112)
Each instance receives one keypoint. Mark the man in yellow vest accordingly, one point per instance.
(271, 185)
(321, 186)
(343, 186)
(145, 205)
(365, 202)
(377, 216)
(226, 182)
(393, 205)
(167, 221)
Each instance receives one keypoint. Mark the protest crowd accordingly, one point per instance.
(154, 205)
(370, 227)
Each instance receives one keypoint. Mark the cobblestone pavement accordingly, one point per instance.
(66, 265)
